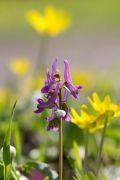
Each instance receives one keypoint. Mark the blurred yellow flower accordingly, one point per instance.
(105, 107)
(20, 66)
(53, 22)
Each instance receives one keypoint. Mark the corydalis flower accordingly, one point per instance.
(52, 91)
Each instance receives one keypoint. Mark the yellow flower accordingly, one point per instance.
(53, 22)
(20, 66)
(105, 107)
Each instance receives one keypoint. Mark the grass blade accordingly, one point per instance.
(6, 147)
(17, 143)
(78, 161)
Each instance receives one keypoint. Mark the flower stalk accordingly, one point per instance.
(60, 150)
(86, 150)
(101, 148)
(60, 140)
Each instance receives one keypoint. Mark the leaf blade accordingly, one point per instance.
(6, 147)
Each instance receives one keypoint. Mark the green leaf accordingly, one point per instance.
(78, 161)
(17, 143)
(6, 147)
(1, 170)
(70, 161)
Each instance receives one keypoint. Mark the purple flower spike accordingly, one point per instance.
(55, 100)
(68, 81)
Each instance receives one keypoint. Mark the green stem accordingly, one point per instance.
(60, 141)
(86, 150)
(60, 150)
(42, 56)
(100, 148)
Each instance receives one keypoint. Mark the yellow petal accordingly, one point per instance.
(75, 117)
(36, 20)
(96, 99)
(96, 102)
(117, 113)
(107, 102)
(85, 108)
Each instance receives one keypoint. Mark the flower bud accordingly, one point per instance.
(60, 113)
(12, 152)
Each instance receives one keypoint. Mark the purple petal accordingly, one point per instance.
(67, 116)
(49, 128)
(52, 99)
(67, 71)
(39, 100)
(45, 89)
(48, 74)
(79, 87)
(48, 83)
(39, 110)
(52, 115)
(53, 125)
(50, 118)
(54, 67)
(65, 96)
(73, 89)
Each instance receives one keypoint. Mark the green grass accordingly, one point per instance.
(87, 14)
